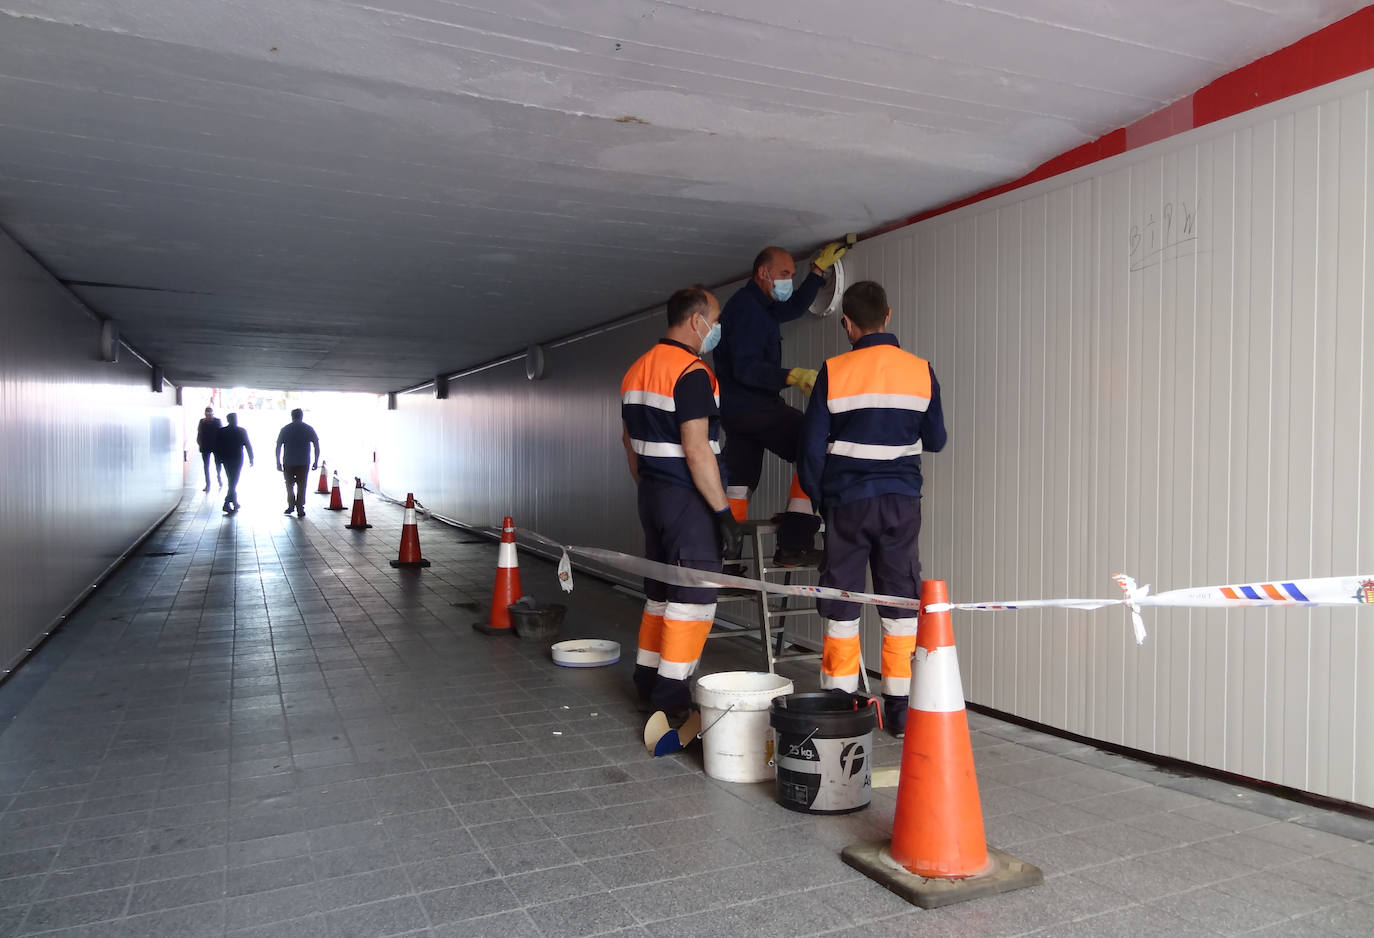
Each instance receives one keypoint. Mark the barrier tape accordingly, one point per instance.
(1355, 590)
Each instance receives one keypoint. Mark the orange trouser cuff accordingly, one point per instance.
(897, 652)
(840, 656)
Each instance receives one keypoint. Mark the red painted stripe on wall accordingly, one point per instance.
(1340, 50)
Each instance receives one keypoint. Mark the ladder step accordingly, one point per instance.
(799, 611)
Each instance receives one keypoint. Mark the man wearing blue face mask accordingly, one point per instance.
(668, 406)
(748, 363)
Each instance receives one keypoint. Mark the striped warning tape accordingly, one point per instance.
(1325, 591)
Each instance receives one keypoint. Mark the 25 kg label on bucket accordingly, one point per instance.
(824, 776)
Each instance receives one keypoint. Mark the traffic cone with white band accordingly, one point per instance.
(938, 855)
(359, 519)
(335, 496)
(323, 487)
(507, 588)
(410, 539)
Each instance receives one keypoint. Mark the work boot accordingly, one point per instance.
(796, 557)
(645, 678)
(894, 714)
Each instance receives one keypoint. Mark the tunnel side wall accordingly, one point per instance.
(90, 456)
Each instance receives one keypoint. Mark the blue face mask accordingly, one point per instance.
(711, 340)
(782, 290)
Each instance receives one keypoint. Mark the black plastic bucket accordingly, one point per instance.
(824, 752)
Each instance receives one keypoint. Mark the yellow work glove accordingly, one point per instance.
(829, 255)
(803, 378)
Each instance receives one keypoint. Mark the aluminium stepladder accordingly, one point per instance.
(773, 610)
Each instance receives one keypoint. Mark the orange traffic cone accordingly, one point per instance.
(335, 498)
(507, 588)
(938, 855)
(410, 539)
(323, 487)
(359, 519)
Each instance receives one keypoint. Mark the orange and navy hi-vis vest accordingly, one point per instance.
(878, 397)
(648, 407)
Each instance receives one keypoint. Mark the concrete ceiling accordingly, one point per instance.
(326, 194)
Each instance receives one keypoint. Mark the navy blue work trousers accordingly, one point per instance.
(880, 532)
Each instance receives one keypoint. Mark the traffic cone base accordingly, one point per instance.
(1004, 873)
(938, 854)
(408, 563)
(506, 590)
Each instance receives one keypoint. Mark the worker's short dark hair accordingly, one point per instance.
(297, 414)
(686, 303)
(232, 418)
(865, 304)
(765, 257)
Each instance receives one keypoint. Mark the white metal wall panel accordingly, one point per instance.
(1162, 364)
(91, 456)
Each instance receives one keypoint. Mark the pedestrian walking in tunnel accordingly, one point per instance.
(206, 431)
(231, 442)
(293, 459)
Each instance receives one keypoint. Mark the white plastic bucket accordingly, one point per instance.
(736, 738)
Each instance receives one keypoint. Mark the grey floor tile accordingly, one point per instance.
(563, 882)
(474, 900)
(310, 926)
(202, 919)
(273, 874)
(358, 888)
(77, 910)
(515, 924)
(530, 856)
(585, 915)
(375, 920)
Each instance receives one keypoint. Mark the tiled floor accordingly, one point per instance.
(272, 732)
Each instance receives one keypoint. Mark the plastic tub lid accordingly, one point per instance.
(585, 653)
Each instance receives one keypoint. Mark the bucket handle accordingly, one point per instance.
(715, 721)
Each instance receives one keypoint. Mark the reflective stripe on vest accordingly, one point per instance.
(877, 397)
(649, 409)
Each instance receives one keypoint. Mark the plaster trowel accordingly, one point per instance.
(662, 740)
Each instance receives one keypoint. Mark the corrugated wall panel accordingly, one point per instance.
(91, 456)
(1162, 364)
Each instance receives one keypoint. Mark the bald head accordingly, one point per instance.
(771, 265)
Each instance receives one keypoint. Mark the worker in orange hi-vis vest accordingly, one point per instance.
(873, 412)
(670, 406)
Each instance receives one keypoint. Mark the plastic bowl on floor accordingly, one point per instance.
(585, 653)
(536, 623)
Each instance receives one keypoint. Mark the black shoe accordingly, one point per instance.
(300, 512)
(288, 510)
(227, 508)
(796, 557)
(206, 489)
(894, 714)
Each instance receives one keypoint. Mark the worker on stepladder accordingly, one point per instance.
(873, 412)
(753, 415)
(670, 410)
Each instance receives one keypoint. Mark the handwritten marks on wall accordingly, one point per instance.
(1163, 234)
